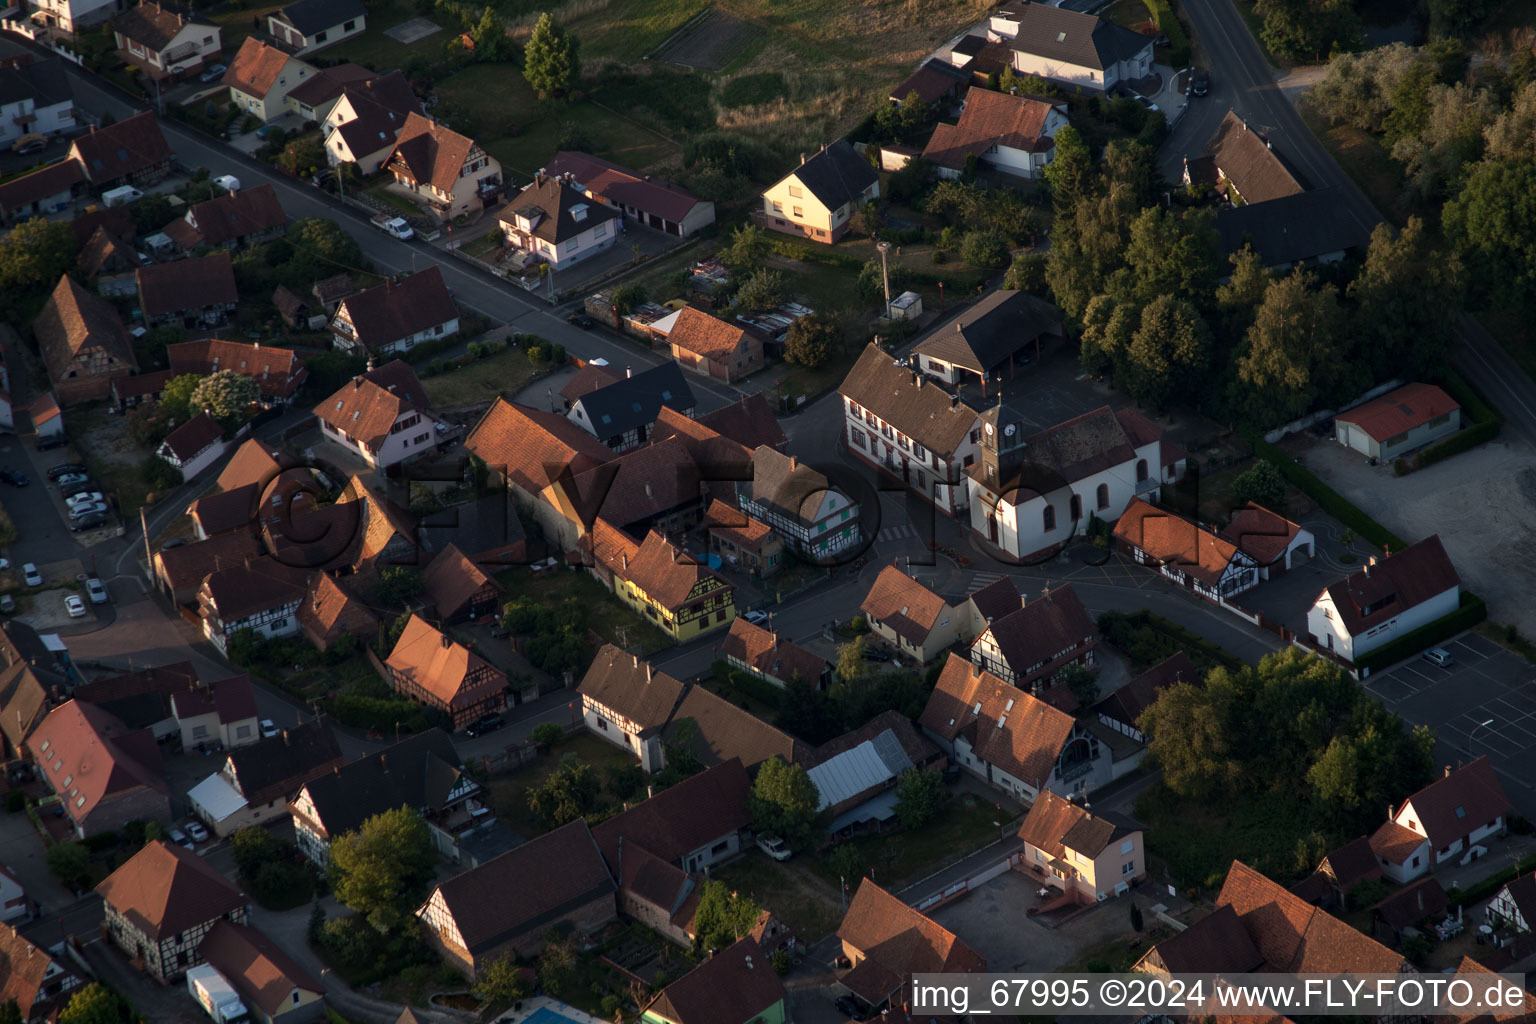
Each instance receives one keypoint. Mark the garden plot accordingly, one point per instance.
(413, 31)
(709, 42)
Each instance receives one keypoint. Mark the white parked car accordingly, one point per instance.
(87, 508)
(268, 728)
(75, 606)
(775, 847)
(196, 830)
(96, 590)
(179, 837)
(84, 498)
(31, 575)
(757, 618)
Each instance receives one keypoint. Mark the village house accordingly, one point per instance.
(746, 543)
(1032, 644)
(856, 774)
(219, 715)
(715, 731)
(990, 339)
(708, 345)
(1386, 599)
(1399, 421)
(1072, 49)
(814, 518)
(720, 460)
(816, 199)
(47, 420)
(313, 98)
(1443, 822)
(1413, 909)
(556, 222)
(1184, 551)
(937, 83)
(431, 668)
(658, 487)
(1088, 856)
(193, 446)
(131, 152)
(887, 942)
(262, 595)
(910, 617)
(1242, 164)
(140, 388)
(110, 262)
(40, 982)
(382, 416)
(35, 99)
(1273, 542)
(50, 189)
(1302, 229)
(24, 701)
(487, 530)
(654, 202)
(73, 16)
(451, 172)
(278, 372)
(1014, 135)
(364, 122)
(181, 570)
(166, 42)
(677, 594)
(232, 221)
(261, 76)
(921, 434)
(748, 421)
(457, 588)
(1031, 493)
(693, 826)
(1514, 906)
(332, 614)
(621, 413)
(272, 985)
(1121, 709)
(161, 904)
(142, 699)
(255, 782)
(104, 774)
(423, 772)
(82, 342)
(1340, 870)
(766, 655)
(562, 881)
(308, 25)
(196, 294)
(395, 316)
(1014, 741)
(626, 702)
(735, 986)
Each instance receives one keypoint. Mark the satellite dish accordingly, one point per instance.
(989, 430)
(1009, 429)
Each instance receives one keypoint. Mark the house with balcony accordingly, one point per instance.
(394, 317)
(166, 42)
(73, 16)
(1031, 492)
(452, 173)
(1388, 598)
(1012, 740)
(162, 903)
(1090, 857)
(816, 199)
(260, 594)
(897, 422)
(814, 518)
(1032, 644)
(430, 667)
(261, 76)
(35, 99)
(381, 416)
(309, 25)
(559, 224)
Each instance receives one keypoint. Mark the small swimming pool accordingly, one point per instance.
(544, 1015)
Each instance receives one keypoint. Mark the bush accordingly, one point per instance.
(1168, 24)
(1486, 423)
(547, 734)
(1470, 613)
(1149, 639)
(15, 801)
(748, 685)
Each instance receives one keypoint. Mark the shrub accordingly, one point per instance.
(547, 734)
(15, 801)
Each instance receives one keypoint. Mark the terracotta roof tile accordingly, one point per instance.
(192, 438)
(704, 335)
(165, 889)
(259, 585)
(74, 322)
(188, 565)
(154, 24)
(331, 611)
(637, 487)
(533, 447)
(902, 603)
(627, 686)
(1393, 585)
(256, 67)
(230, 699)
(552, 205)
(451, 579)
(277, 767)
(442, 667)
(991, 119)
(769, 654)
(1351, 863)
(748, 422)
(230, 218)
(1458, 802)
(1175, 541)
(900, 942)
(264, 975)
(725, 731)
(366, 407)
(1294, 936)
(97, 754)
(279, 372)
(736, 984)
(620, 186)
(429, 153)
(1024, 739)
(1214, 944)
(665, 572)
(1411, 904)
(25, 975)
(385, 313)
(1399, 411)
(736, 526)
(105, 250)
(1128, 702)
(588, 379)
(1395, 843)
(1036, 632)
(55, 179)
(649, 878)
(115, 151)
(1243, 156)
(1260, 534)
(921, 411)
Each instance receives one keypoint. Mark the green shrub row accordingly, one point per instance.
(748, 685)
(1150, 639)
(1486, 887)
(1486, 422)
(1470, 613)
(1169, 25)
(1327, 498)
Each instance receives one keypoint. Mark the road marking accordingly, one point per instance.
(899, 532)
(983, 579)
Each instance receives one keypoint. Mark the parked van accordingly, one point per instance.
(1438, 656)
(121, 196)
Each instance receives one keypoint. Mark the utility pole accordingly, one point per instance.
(885, 275)
(149, 556)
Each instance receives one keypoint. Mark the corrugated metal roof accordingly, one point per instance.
(870, 764)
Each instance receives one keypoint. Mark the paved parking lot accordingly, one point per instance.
(1483, 703)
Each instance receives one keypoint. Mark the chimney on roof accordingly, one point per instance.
(624, 560)
(802, 155)
(647, 671)
(1447, 771)
(447, 640)
(954, 401)
(648, 492)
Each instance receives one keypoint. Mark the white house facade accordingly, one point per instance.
(1385, 600)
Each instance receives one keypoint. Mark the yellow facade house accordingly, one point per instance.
(816, 199)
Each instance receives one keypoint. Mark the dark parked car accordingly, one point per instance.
(852, 1007)
(580, 320)
(875, 654)
(70, 490)
(14, 478)
(1200, 83)
(175, 542)
(88, 522)
(65, 469)
(485, 724)
(46, 443)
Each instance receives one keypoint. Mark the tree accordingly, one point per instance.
(901, 122)
(811, 340)
(10, 1013)
(1239, 298)
(748, 248)
(1307, 29)
(569, 792)
(94, 1004)
(304, 155)
(624, 780)
(36, 254)
(547, 734)
(398, 585)
(763, 289)
(785, 802)
(228, 395)
(1169, 354)
(1082, 681)
(630, 297)
(1294, 360)
(870, 284)
(807, 712)
(150, 214)
(320, 249)
(919, 795)
(847, 863)
(159, 474)
(1133, 165)
(722, 917)
(1358, 88)
(383, 868)
(1136, 922)
(70, 863)
(1027, 274)
(252, 847)
(1492, 222)
(1190, 737)
(1070, 172)
(986, 249)
(550, 59)
(1088, 245)
(556, 964)
(490, 37)
(850, 660)
(176, 397)
(867, 219)
(1512, 135)
(1261, 484)
(499, 981)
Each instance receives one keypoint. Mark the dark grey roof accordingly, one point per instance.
(418, 772)
(553, 206)
(836, 175)
(970, 46)
(43, 82)
(991, 331)
(311, 16)
(1292, 228)
(636, 401)
(1073, 38)
(277, 767)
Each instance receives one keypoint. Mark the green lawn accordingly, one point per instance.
(378, 51)
(898, 859)
(1199, 842)
(509, 793)
(237, 22)
(628, 30)
(394, 200)
(505, 374)
(1132, 14)
(797, 894)
(607, 615)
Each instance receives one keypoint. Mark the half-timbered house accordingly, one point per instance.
(162, 902)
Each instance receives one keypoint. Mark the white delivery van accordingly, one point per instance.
(121, 196)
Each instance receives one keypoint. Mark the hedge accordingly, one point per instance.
(748, 685)
(1168, 24)
(1327, 498)
(1471, 612)
(1120, 628)
(1486, 887)
(1486, 423)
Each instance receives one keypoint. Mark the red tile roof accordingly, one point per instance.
(1458, 802)
(1295, 936)
(279, 372)
(429, 153)
(737, 984)
(442, 667)
(24, 975)
(229, 218)
(167, 288)
(749, 422)
(73, 322)
(769, 654)
(619, 186)
(231, 699)
(331, 611)
(165, 889)
(532, 447)
(1351, 863)
(1244, 158)
(1260, 534)
(903, 604)
(1411, 904)
(55, 179)
(1128, 702)
(189, 564)
(265, 976)
(1024, 739)
(452, 579)
(1175, 541)
(991, 119)
(255, 68)
(725, 731)
(97, 754)
(192, 438)
(666, 573)
(680, 819)
(1037, 632)
(1215, 943)
(736, 526)
(367, 407)
(631, 688)
(397, 309)
(588, 379)
(1399, 411)
(1393, 585)
(704, 335)
(115, 151)
(897, 942)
